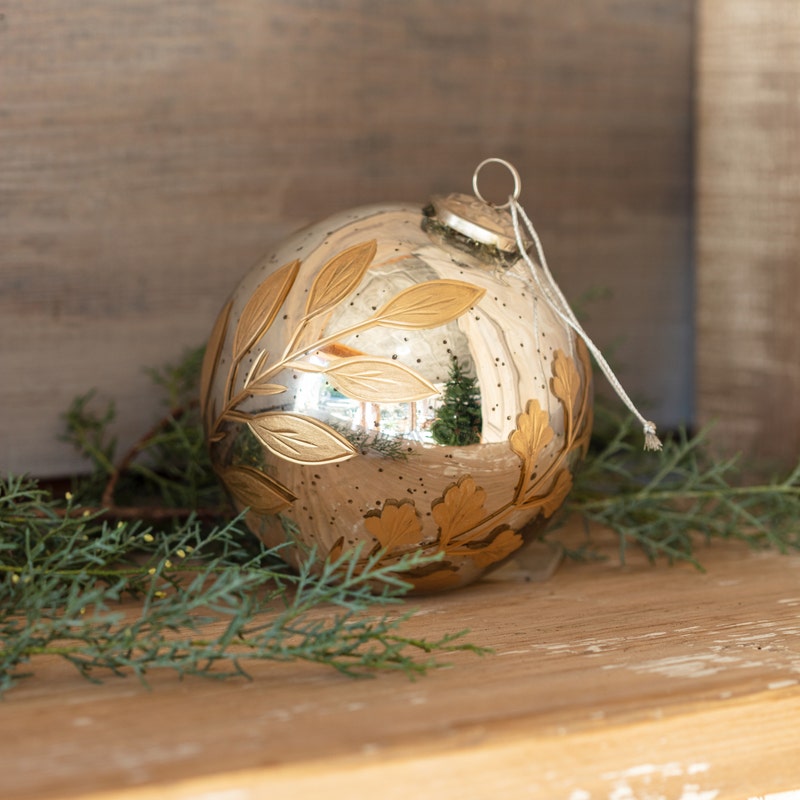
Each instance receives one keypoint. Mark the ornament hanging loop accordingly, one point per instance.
(510, 167)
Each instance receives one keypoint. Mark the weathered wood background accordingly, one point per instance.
(151, 151)
(748, 212)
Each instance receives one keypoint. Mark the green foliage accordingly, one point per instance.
(120, 588)
(170, 463)
(667, 502)
(116, 588)
(458, 419)
(63, 577)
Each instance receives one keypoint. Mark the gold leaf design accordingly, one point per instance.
(558, 493)
(340, 276)
(566, 382)
(258, 382)
(262, 308)
(429, 304)
(586, 409)
(460, 510)
(298, 438)
(533, 432)
(255, 370)
(256, 490)
(212, 354)
(263, 386)
(502, 546)
(396, 525)
(378, 380)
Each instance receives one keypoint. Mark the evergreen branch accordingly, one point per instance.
(140, 581)
(64, 579)
(665, 502)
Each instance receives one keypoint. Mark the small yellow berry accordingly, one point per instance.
(87, 513)
(180, 553)
(168, 564)
(14, 578)
(159, 594)
(151, 571)
(68, 496)
(148, 537)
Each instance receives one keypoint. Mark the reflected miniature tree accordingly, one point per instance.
(458, 419)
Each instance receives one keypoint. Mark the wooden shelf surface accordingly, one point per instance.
(605, 682)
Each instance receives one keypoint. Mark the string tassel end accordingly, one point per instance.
(651, 441)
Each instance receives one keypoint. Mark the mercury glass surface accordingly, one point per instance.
(328, 369)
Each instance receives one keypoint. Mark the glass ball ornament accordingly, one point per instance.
(394, 379)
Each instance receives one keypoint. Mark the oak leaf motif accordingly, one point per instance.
(460, 510)
(558, 493)
(566, 382)
(505, 543)
(552, 501)
(583, 424)
(396, 525)
(533, 432)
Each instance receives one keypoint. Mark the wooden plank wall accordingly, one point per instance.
(151, 151)
(748, 211)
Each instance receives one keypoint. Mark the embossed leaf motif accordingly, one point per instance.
(429, 304)
(460, 510)
(301, 439)
(503, 545)
(262, 307)
(558, 493)
(340, 276)
(254, 370)
(566, 382)
(533, 432)
(378, 380)
(256, 490)
(396, 525)
(584, 410)
(212, 354)
(263, 386)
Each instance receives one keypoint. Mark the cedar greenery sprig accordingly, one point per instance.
(665, 504)
(63, 579)
(153, 528)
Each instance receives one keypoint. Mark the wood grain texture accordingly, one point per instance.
(658, 682)
(748, 211)
(150, 152)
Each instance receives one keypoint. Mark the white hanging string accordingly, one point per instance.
(558, 303)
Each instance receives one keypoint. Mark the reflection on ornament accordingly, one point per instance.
(337, 374)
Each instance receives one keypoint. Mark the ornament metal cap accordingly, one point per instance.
(476, 218)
